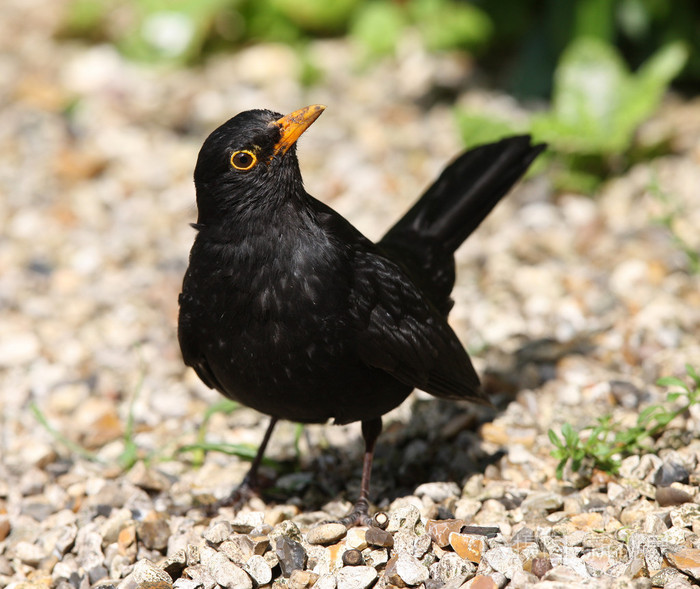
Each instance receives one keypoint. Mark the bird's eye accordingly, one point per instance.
(243, 160)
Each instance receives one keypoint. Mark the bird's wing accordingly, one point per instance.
(400, 332)
(189, 345)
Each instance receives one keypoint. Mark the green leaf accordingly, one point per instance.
(692, 373)
(378, 26)
(554, 439)
(672, 381)
(478, 128)
(597, 103)
(446, 24)
(225, 406)
(243, 451)
(570, 435)
(560, 469)
(318, 16)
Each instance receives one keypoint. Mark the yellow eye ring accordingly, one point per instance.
(243, 160)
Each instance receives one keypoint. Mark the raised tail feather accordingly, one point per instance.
(426, 237)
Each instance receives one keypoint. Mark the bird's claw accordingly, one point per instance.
(359, 516)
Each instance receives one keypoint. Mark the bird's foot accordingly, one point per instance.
(359, 516)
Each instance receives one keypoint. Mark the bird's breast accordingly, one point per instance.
(276, 308)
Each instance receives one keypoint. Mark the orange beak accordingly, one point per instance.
(291, 126)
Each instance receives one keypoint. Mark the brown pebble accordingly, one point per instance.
(540, 565)
(666, 496)
(300, 579)
(440, 530)
(380, 520)
(377, 537)
(483, 582)
(4, 527)
(353, 558)
(468, 546)
(126, 541)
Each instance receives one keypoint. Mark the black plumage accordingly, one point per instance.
(287, 308)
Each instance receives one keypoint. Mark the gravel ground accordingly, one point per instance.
(573, 308)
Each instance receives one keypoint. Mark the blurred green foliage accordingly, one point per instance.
(520, 41)
(579, 54)
(597, 106)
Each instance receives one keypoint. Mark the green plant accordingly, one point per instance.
(59, 437)
(597, 105)
(201, 446)
(669, 220)
(607, 443)
(131, 453)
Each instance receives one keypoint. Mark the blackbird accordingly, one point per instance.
(288, 309)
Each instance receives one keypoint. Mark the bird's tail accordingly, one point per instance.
(427, 236)
(466, 192)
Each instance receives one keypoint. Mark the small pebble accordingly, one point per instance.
(291, 554)
(359, 577)
(378, 537)
(666, 496)
(353, 558)
(326, 534)
(356, 538)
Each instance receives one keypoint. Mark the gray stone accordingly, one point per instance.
(685, 515)
(29, 553)
(380, 538)
(542, 502)
(562, 574)
(406, 517)
(175, 564)
(356, 538)
(438, 492)
(504, 560)
(202, 575)
(421, 545)
(291, 554)
(259, 569)
(355, 577)
(670, 472)
(451, 566)
(88, 546)
(666, 496)
(375, 557)
(523, 579)
(154, 530)
(644, 468)
(406, 570)
(670, 577)
(146, 572)
(238, 548)
(286, 529)
(326, 581)
(325, 534)
(466, 508)
(247, 521)
(224, 572)
(302, 579)
(217, 532)
(677, 536)
(187, 584)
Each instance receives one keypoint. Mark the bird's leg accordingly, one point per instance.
(249, 486)
(371, 429)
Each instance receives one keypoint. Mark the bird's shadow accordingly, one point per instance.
(439, 442)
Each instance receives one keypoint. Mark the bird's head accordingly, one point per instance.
(251, 159)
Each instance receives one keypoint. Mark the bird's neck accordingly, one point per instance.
(278, 213)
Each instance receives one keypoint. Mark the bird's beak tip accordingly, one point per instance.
(291, 126)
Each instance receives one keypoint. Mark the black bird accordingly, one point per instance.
(288, 309)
